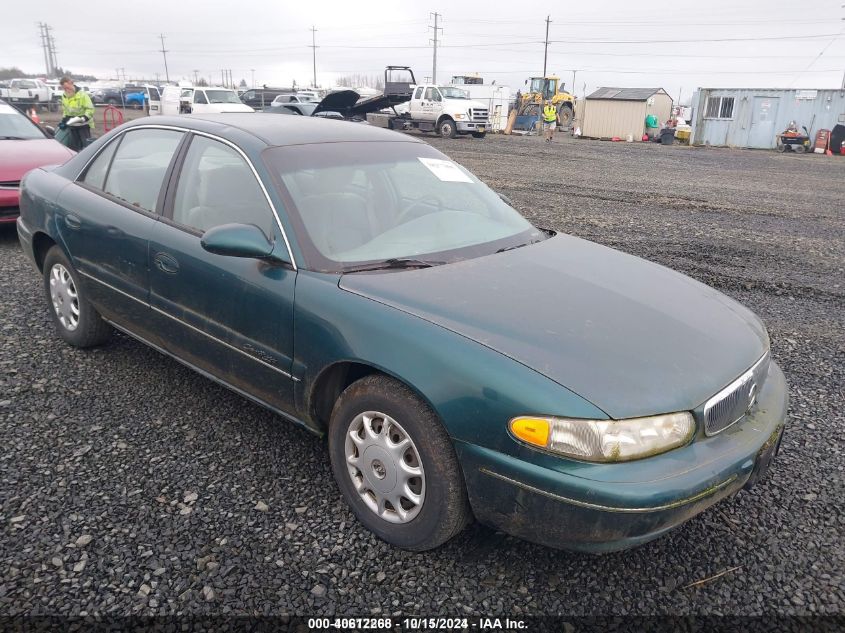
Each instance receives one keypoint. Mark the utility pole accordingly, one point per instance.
(314, 53)
(42, 28)
(51, 45)
(252, 70)
(546, 49)
(573, 81)
(434, 41)
(164, 52)
(196, 76)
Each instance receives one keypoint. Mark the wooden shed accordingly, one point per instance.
(610, 112)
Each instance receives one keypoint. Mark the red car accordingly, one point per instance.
(23, 146)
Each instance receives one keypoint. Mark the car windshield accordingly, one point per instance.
(15, 126)
(359, 203)
(454, 93)
(222, 96)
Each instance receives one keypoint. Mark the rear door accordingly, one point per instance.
(229, 316)
(106, 217)
(154, 100)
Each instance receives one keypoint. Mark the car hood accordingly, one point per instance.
(18, 157)
(339, 101)
(632, 337)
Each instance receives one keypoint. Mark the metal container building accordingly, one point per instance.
(752, 117)
(621, 112)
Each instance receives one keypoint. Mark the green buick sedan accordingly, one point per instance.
(463, 363)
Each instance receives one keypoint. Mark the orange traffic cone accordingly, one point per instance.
(34, 115)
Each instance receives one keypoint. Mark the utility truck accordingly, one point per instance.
(27, 92)
(406, 105)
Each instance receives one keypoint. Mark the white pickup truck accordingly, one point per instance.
(443, 109)
(26, 91)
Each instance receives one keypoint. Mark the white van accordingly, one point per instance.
(197, 100)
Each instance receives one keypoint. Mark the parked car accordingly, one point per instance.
(295, 103)
(26, 92)
(259, 98)
(144, 97)
(113, 96)
(200, 100)
(461, 361)
(23, 146)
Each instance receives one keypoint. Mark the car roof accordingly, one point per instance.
(275, 130)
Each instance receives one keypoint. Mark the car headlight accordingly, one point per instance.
(606, 440)
(459, 116)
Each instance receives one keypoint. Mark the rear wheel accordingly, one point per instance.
(76, 320)
(800, 149)
(447, 128)
(396, 466)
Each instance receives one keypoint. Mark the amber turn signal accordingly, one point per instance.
(532, 430)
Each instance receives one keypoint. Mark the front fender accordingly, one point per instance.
(473, 389)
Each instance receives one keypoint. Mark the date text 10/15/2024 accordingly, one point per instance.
(414, 623)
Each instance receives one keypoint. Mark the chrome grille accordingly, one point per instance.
(729, 405)
(479, 115)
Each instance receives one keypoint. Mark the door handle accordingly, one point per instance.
(72, 221)
(166, 263)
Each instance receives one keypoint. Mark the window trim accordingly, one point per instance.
(721, 99)
(189, 131)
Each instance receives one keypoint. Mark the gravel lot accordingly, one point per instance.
(131, 485)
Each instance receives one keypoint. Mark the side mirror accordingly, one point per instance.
(237, 240)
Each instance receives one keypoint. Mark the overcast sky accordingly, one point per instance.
(625, 43)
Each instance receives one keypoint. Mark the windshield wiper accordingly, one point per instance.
(12, 138)
(394, 262)
(510, 248)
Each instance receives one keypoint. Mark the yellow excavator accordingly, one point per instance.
(538, 91)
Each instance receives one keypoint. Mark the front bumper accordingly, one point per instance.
(472, 126)
(606, 507)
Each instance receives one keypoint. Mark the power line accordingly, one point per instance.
(696, 40)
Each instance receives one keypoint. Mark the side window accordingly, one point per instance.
(199, 96)
(95, 175)
(139, 165)
(216, 186)
(419, 93)
(437, 96)
(429, 94)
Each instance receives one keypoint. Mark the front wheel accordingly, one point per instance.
(447, 128)
(396, 466)
(565, 116)
(76, 320)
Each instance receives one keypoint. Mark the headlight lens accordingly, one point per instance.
(606, 440)
(459, 116)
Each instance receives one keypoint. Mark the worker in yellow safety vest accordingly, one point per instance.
(77, 115)
(550, 119)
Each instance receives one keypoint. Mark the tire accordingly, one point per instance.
(781, 148)
(564, 113)
(438, 508)
(479, 134)
(799, 149)
(112, 101)
(65, 295)
(447, 128)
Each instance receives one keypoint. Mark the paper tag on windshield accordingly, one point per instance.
(445, 170)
